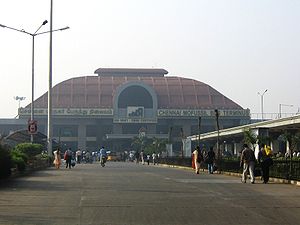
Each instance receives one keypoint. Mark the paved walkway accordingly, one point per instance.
(131, 194)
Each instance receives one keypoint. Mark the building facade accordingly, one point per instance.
(116, 105)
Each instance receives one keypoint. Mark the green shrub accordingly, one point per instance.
(42, 156)
(19, 163)
(29, 149)
(19, 159)
(5, 162)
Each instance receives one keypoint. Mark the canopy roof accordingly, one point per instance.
(22, 136)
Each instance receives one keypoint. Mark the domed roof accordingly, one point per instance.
(172, 93)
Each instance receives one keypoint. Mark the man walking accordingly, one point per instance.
(248, 162)
(142, 157)
(209, 159)
(68, 158)
(78, 156)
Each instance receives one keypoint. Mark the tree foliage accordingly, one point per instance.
(149, 145)
(19, 159)
(250, 137)
(138, 143)
(29, 149)
(292, 138)
(159, 144)
(5, 162)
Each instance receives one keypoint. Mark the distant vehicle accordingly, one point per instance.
(113, 156)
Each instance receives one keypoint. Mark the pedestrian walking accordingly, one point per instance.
(154, 158)
(210, 159)
(248, 163)
(68, 158)
(203, 153)
(197, 159)
(158, 158)
(142, 157)
(148, 159)
(78, 156)
(266, 161)
(57, 159)
(137, 157)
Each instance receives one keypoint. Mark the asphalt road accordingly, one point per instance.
(131, 194)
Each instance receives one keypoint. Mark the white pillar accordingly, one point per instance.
(288, 150)
(237, 148)
(275, 146)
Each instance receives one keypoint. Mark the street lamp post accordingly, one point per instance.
(49, 118)
(32, 67)
(262, 103)
(32, 63)
(280, 106)
(218, 139)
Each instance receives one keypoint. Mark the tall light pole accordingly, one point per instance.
(262, 103)
(32, 63)
(280, 106)
(217, 114)
(199, 130)
(49, 119)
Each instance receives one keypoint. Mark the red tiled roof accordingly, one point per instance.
(172, 92)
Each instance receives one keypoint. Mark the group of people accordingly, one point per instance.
(200, 157)
(89, 157)
(141, 157)
(69, 155)
(248, 160)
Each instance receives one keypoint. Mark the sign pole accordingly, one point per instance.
(199, 129)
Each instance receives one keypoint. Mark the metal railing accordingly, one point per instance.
(282, 168)
(271, 116)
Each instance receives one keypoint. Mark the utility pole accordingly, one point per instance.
(182, 140)
(262, 103)
(218, 139)
(199, 130)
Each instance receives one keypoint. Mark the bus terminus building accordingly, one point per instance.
(112, 107)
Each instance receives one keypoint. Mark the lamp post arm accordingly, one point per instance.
(44, 23)
(11, 28)
(23, 31)
(61, 29)
(279, 110)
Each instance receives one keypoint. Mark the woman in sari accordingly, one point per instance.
(57, 159)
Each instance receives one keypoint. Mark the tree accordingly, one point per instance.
(138, 143)
(5, 162)
(292, 138)
(159, 144)
(250, 138)
(29, 149)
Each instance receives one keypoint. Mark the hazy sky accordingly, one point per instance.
(239, 47)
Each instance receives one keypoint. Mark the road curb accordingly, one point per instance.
(275, 180)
